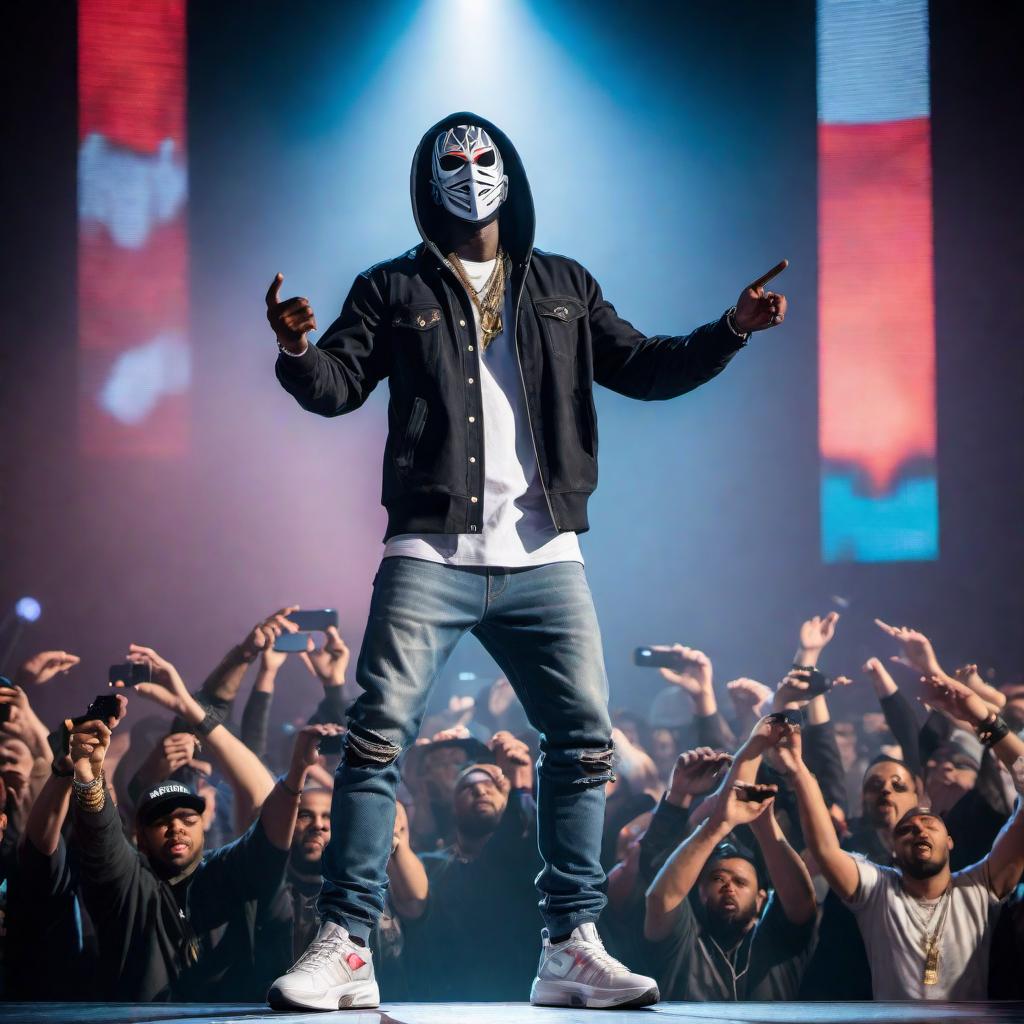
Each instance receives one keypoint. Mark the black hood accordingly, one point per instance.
(516, 218)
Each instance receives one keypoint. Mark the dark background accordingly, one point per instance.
(705, 527)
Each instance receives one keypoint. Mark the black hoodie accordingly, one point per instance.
(409, 320)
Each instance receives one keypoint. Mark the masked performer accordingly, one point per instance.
(491, 349)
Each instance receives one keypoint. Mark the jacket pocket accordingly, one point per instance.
(560, 316)
(424, 317)
(561, 308)
(413, 433)
(586, 421)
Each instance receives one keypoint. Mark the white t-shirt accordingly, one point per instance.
(890, 922)
(517, 525)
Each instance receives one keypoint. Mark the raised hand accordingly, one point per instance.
(788, 746)
(513, 758)
(749, 697)
(694, 676)
(955, 699)
(969, 676)
(88, 743)
(816, 632)
(695, 773)
(795, 689)
(756, 309)
(291, 320)
(917, 648)
(42, 667)
(330, 664)
(881, 680)
(306, 751)
(740, 803)
(167, 688)
(262, 636)
(22, 722)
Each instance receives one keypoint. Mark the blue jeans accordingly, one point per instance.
(539, 625)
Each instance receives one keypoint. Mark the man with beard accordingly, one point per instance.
(175, 921)
(736, 943)
(927, 930)
(303, 878)
(839, 968)
(478, 907)
(491, 349)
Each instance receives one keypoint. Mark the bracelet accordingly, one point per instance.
(288, 789)
(91, 796)
(207, 725)
(731, 323)
(993, 730)
(88, 787)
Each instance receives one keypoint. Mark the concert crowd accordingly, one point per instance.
(168, 844)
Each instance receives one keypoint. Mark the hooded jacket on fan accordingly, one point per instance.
(409, 320)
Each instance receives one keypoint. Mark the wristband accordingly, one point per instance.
(288, 789)
(990, 732)
(207, 725)
(731, 323)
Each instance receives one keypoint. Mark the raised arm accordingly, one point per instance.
(836, 864)
(281, 807)
(734, 804)
(661, 366)
(960, 703)
(1006, 861)
(249, 778)
(338, 374)
(789, 875)
(695, 677)
(409, 884)
(330, 667)
(45, 820)
(898, 712)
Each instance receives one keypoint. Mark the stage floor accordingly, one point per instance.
(508, 1013)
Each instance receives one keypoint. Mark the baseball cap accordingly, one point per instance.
(165, 797)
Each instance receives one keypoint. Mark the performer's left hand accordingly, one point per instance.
(756, 309)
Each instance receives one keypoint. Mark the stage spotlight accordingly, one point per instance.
(28, 609)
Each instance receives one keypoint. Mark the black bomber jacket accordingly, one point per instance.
(409, 320)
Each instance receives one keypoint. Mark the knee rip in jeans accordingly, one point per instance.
(582, 767)
(364, 747)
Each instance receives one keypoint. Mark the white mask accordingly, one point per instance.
(467, 173)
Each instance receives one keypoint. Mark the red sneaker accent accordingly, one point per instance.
(355, 961)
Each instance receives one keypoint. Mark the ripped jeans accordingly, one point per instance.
(539, 625)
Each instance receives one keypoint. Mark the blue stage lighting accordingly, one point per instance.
(28, 609)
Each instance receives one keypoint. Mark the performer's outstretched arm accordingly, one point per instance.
(663, 366)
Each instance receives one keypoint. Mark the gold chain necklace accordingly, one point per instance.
(930, 942)
(490, 306)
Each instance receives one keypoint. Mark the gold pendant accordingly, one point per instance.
(931, 965)
(490, 326)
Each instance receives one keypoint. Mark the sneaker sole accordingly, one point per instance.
(573, 994)
(365, 997)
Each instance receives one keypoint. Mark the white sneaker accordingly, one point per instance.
(333, 974)
(580, 972)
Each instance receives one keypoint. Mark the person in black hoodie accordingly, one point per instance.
(491, 349)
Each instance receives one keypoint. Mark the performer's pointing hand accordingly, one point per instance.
(756, 309)
(291, 320)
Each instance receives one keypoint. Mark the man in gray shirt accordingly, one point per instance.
(927, 930)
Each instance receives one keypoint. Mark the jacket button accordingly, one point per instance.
(472, 419)
(472, 458)
(462, 323)
(469, 380)
(469, 348)
(474, 500)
